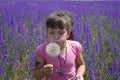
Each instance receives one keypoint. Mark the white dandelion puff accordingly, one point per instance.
(53, 49)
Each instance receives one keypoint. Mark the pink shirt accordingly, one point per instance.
(69, 69)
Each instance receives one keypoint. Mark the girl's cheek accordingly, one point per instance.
(59, 40)
(50, 40)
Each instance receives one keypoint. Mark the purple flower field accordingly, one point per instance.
(97, 28)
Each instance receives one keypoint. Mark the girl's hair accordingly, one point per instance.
(62, 19)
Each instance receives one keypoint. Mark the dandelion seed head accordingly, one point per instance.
(53, 49)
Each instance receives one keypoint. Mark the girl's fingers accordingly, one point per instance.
(80, 77)
(48, 66)
(48, 69)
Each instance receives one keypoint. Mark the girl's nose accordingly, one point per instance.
(56, 37)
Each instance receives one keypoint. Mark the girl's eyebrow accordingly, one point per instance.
(61, 31)
(56, 29)
(50, 29)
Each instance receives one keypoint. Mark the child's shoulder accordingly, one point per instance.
(42, 45)
(74, 42)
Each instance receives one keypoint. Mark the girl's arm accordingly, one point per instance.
(42, 70)
(80, 67)
(39, 73)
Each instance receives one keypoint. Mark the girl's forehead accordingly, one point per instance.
(64, 29)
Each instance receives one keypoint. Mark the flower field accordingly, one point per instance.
(97, 28)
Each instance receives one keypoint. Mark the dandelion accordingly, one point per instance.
(53, 49)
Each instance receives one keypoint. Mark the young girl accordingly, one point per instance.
(69, 64)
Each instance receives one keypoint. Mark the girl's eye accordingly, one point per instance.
(61, 33)
(51, 32)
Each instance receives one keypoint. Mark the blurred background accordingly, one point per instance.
(22, 29)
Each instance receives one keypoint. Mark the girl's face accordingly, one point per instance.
(58, 35)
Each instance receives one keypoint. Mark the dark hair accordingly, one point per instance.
(62, 19)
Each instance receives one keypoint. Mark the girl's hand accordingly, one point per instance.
(80, 77)
(48, 69)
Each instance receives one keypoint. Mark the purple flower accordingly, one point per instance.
(5, 55)
(97, 46)
(6, 77)
(1, 69)
(2, 42)
(32, 60)
(92, 74)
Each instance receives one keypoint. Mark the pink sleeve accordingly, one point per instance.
(78, 47)
(40, 51)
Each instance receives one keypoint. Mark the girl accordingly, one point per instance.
(69, 64)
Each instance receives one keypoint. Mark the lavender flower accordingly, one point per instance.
(1, 38)
(32, 59)
(1, 69)
(6, 77)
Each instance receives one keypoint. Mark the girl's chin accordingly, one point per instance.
(62, 43)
